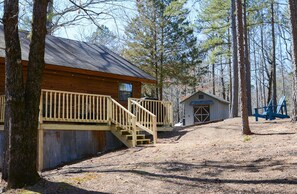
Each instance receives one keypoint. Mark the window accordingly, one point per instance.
(201, 97)
(125, 91)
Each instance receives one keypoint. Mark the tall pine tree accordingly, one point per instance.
(161, 41)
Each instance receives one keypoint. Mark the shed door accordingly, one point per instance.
(201, 114)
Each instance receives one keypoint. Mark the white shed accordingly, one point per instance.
(203, 107)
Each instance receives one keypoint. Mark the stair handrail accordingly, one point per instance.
(2, 108)
(162, 109)
(145, 120)
(122, 117)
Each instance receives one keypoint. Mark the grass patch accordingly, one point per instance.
(247, 138)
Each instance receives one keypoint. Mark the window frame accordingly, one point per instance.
(119, 91)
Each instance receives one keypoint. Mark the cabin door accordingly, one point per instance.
(201, 114)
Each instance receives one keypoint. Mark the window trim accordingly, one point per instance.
(124, 91)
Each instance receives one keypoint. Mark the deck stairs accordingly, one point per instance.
(126, 137)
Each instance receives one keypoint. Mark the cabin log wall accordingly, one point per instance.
(76, 82)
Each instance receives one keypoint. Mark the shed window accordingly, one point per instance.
(125, 91)
(201, 97)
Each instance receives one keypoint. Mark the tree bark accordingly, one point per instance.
(293, 18)
(247, 61)
(234, 102)
(213, 80)
(273, 61)
(256, 74)
(230, 67)
(240, 41)
(50, 13)
(22, 101)
(34, 80)
(222, 80)
(14, 95)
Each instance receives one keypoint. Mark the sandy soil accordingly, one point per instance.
(213, 158)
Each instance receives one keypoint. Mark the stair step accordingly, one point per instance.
(143, 141)
(124, 132)
(129, 137)
(119, 129)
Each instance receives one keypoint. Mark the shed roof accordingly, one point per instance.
(80, 55)
(210, 95)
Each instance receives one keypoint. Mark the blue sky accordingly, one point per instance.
(116, 24)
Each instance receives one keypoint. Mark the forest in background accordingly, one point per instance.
(208, 65)
(187, 45)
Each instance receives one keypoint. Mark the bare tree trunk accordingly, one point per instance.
(22, 103)
(247, 61)
(234, 104)
(273, 61)
(240, 41)
(162, 57)
(230, 67)
(264, 67)
(293, 18)
(222, 80)
(155, 54)
(213, 80)
(50, 14)
(14, 95)
(256, 77)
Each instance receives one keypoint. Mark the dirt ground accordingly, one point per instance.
(212, 158)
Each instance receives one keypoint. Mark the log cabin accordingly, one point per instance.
(90, 101)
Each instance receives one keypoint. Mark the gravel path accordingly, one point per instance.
(212, 158)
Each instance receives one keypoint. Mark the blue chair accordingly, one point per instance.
(271, 112)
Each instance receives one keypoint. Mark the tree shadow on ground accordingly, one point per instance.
(176, 133)
(208, 172)
(47, 187)
(166, 177)
(264, 134)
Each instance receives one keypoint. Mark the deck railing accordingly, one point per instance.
(162, 109)
(145, 120)
(2, 108)
(73, 107)
(60, 106)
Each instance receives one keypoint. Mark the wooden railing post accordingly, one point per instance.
(134, 137)
(171, 114)
(155, 136)
(109, 110)
(129, 104)
(2, 108)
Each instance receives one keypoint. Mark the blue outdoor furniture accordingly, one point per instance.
(272, 112)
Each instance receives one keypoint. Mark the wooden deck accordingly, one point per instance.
(60, 110)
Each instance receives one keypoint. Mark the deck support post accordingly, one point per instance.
(256, 114)
(155, 136)
(40, 136)
(40, 147)
(134, 137)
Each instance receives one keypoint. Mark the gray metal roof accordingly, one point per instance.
(80, 55)
(210, 95)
